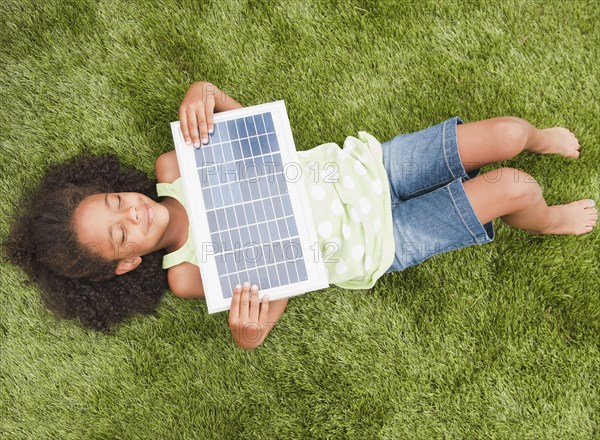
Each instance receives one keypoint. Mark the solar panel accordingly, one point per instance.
(248, 208)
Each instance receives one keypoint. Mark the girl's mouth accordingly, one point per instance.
(149, 217)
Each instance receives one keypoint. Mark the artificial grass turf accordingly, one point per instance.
(496, 341)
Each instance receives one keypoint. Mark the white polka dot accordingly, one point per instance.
(365, 205)
(354, 214)
(318, 192)
(336, 207)
(346, 232)
(348, 182)
(360, 168)
(376, 186)
(368, 262)
(364, 158)
(377, 225)
(357, 252)
(343, 153)
(341, 267)
(324, 229)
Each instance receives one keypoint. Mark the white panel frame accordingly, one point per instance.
(315, 268)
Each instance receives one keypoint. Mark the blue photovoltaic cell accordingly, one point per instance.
(249, 211)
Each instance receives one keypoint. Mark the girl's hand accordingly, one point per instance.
(247, 317)
(196, 113)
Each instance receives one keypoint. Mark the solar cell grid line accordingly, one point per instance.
(245, 207)
(266, 189)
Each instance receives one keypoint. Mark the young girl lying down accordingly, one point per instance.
(97, 236)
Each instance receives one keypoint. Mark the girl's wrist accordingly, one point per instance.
(207, 84)
(246, 345)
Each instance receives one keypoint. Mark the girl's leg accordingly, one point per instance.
(516, 198)
(494, 140)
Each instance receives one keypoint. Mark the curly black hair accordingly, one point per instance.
(75, 282)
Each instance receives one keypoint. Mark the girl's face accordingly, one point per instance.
(121, 226)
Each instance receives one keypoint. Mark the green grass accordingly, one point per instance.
(497, 341)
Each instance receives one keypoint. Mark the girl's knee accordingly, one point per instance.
(513, 131)
(517, 187)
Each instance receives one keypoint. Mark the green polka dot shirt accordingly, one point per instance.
(349, 195)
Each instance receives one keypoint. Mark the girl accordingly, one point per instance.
(94, 232)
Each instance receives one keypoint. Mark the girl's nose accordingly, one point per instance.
(134, 215)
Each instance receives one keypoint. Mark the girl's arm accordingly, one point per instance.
(197, 108)
(249, 321)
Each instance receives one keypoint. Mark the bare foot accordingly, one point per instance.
(574, 218)
(558, 140)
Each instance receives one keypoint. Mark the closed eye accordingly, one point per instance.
(119, 201)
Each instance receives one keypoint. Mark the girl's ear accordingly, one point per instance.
(127, 265)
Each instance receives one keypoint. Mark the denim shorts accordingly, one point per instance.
(430, 209)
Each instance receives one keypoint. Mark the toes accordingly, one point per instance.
(592, 215)
(592, 220)
(575, 140)
(573, 152)
(589, 204)
(573, 143)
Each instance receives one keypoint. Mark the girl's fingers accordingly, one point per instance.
(183, 124)
(245, 302)
(254, 304)
(264, 310)
(201, 117)
(234, 311)
(209, 109)
(193, 128)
